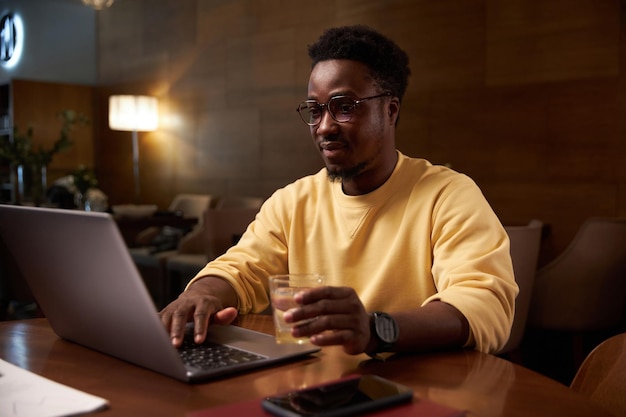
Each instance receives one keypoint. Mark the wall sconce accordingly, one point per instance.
(98, 4)
(135, 114)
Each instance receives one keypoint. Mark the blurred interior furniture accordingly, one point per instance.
(30, 103)
(139, 231)
(134, 114)
(580, 295)
(150, 259)
(237, 201)
(221, 228)
(525, 244)
(602, 375)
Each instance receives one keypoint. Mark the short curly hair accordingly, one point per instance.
(388, 63)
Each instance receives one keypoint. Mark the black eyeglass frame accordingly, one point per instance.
(326, 106)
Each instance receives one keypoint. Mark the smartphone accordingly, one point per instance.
(343, 397)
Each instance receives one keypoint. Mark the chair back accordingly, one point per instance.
(525, 242)
(584, 288)
(191, 205)
(235, 201)
(602, 375)
(203, 241)
(224, 227)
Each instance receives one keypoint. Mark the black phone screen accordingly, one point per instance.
(346, 396)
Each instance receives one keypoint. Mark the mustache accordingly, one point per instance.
(332, 142)
(331, 146)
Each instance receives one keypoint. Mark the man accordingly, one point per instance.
(414, 257)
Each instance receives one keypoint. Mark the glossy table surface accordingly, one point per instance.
(484, 385)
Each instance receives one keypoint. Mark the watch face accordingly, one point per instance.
(386, 328)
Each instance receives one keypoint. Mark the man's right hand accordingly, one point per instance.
(203, 303)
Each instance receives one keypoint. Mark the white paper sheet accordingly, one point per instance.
(25, 394)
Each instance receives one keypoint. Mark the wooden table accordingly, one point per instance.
(484, 385)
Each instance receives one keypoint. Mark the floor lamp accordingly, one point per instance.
(134, 114)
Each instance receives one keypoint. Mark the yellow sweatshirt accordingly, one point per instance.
(426, 234)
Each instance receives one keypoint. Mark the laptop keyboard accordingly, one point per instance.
(212, 355)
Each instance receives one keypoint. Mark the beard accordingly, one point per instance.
(339, 175)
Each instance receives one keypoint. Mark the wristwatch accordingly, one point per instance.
(385, 330)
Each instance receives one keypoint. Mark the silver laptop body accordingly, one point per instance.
(85, 282)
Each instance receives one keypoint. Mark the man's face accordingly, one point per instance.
(359, 148)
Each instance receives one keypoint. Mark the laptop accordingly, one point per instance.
(86, 284)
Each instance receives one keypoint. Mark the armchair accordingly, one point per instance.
(584, 288)
(578, 298)
(151, 263)
(221, 228)
(525, 243)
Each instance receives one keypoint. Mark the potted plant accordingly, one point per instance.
(23, 155)
(83, 179)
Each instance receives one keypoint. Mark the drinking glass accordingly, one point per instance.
(283, 288)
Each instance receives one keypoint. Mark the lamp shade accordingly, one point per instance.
(98, 4)
(133, 113)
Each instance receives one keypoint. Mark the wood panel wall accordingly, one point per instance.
(525, 96)
(38, 104)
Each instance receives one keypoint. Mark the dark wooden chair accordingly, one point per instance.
(602, 375)
(578, 299)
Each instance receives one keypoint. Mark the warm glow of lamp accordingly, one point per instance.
(134, 114)
(98, 4)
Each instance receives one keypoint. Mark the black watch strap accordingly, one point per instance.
(384, 330)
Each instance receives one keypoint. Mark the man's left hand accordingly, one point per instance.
(337, 317)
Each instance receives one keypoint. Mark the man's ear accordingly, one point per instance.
(393, 110)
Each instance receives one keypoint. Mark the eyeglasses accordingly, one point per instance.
(341, 108)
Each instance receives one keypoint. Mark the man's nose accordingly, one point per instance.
(327, 123)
